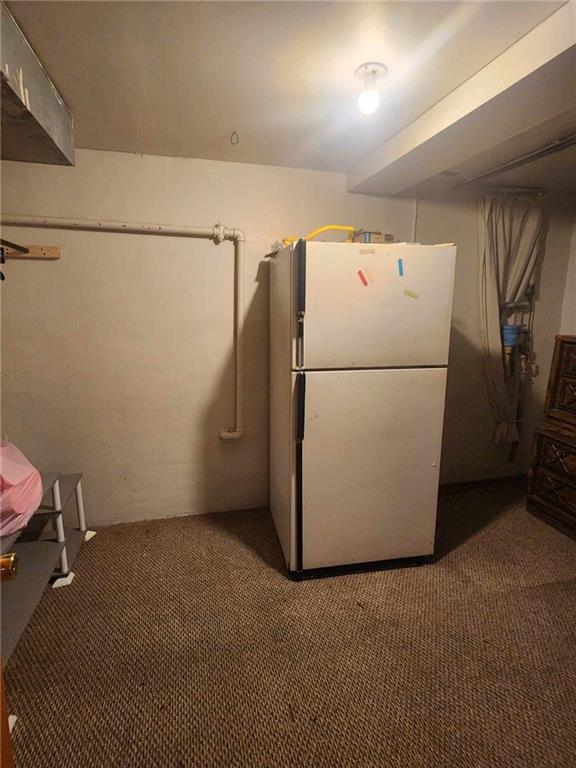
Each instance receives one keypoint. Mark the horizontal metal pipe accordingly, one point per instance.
(89, 225)
(217, 234)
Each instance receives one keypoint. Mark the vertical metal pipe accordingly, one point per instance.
(239, 250)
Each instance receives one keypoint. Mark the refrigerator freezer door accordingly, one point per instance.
(375, 306)
(370, 463)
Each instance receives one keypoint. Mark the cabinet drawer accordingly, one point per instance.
(556, 490)
(568, 359)
(561, 398)
(558, 457)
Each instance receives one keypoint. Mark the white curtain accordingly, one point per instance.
(511, 239)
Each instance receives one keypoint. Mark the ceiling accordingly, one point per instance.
(177, 78)
(555, 173)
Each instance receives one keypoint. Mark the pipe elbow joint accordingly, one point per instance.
(219, 234)
(231, 434)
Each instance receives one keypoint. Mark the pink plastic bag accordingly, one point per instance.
(20, 489)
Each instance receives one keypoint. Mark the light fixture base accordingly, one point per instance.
(371, 71)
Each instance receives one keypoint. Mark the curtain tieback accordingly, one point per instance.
(506, 433)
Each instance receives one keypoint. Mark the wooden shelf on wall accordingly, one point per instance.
(35, 253)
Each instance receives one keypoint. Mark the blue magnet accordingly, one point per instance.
(400, 268)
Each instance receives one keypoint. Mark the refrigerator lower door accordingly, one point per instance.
(370, 465)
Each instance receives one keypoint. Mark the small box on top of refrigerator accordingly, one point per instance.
(359, 337)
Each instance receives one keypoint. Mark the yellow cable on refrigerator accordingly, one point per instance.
(327, 228)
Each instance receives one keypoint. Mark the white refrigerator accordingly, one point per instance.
(359, 337)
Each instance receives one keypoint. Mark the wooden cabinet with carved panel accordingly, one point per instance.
(552, 475)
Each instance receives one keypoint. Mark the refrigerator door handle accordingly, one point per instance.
(300, 405)
(300, 411)
(299, 341)
(300, 254)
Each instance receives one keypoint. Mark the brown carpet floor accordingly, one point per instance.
(181, 643)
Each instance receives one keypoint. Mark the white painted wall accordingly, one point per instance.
(117, 359)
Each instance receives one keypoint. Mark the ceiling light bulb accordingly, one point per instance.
(368, 101)
(369, 73)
